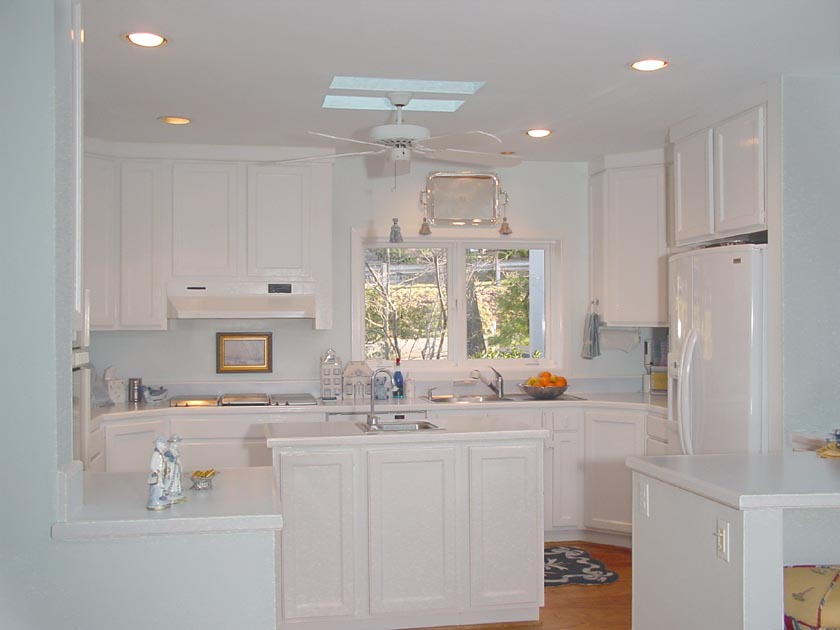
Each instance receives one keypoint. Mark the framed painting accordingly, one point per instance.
(243, 352)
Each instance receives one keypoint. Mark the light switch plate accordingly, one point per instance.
(644, 498)
(722, 539)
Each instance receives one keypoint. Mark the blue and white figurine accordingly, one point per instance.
(172, 476)
(158, 500)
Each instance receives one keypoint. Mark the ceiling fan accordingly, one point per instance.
(401, 142)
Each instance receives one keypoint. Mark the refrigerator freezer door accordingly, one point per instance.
(726, 375)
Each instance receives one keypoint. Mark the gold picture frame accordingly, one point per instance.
(243, 352)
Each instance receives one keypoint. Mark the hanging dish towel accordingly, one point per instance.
(591, 336)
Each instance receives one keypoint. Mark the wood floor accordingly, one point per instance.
(574, 607)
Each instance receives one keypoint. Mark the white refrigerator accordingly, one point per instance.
(716, 364)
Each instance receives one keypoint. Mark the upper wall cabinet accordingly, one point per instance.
(125, 243)
(628, 245)
(171, 224)
(719, 180)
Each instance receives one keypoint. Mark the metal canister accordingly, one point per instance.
(134, 389)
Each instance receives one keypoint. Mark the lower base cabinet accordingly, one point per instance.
(419, 535)
(610, 437)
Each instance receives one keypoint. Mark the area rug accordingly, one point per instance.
(570, 565)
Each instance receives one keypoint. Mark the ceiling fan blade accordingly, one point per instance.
(328, 157)
(463, 140)
(353, 140)
(472, 157)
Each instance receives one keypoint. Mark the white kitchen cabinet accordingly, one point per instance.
(563, 461)
(125, 257)
(503, 530)
(205, 220)
(101, 240)
(719, 187)
(628, 240)
(129, 445)
(412, 497)
(318, 542)
(409, 534)
(739, 173)
(610, 437)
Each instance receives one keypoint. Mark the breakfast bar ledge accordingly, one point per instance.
(114, 506)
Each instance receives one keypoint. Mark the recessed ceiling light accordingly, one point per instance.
(380, 103)
(174, 120)
(539, 133)
(507, 152)
(405, 85)
(649, 65)
(146, 40)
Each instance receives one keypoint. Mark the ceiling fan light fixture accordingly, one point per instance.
(174, 120)
(145, 40)
(538, 133)
(649, 65)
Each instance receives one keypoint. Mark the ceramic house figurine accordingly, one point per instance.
(172, 476)
(157, 470)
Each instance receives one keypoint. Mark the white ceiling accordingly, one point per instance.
(256, 71)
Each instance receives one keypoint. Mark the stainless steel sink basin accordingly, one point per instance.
(466, 399)
(399, 427)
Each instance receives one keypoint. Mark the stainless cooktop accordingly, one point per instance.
(244, 400)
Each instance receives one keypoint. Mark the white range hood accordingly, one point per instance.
(239, 301)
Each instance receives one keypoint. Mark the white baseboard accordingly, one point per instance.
(589, 535)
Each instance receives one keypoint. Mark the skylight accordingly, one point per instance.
(335, 101)
(414, 86)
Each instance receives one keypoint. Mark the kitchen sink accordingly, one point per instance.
(466, 399)
(399, 427)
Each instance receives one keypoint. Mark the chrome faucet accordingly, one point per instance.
(372, 418)
(498, 387)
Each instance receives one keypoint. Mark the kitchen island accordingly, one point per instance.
(712, 534)
(400, 530)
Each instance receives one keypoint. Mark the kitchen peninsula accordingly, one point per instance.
(409, 529)
(712, 534)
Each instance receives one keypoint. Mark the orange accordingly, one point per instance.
(561, 382)
(545, 380)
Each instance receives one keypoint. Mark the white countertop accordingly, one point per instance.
(114, 506)
(294, 434)
(773, 480)
(644, 402)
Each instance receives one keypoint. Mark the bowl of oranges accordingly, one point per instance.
(544, 386)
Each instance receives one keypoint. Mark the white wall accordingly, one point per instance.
(810, 253)
(548, 201)
(211, 581)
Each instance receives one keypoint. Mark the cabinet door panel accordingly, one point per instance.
(204, 220)
(412, 528)
(506, 525)
(693, 188)
(101, 240)
(566, 481)
(141, 295)
(739, 183)
(609, 439)
(635, 265)
(278, 221)
(317, 543)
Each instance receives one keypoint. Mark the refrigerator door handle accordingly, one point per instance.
(683, 392)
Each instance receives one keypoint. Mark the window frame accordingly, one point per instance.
(456, 263)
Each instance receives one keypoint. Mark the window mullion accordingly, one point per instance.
(458, 309)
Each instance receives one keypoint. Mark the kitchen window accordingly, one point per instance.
(451, 302)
